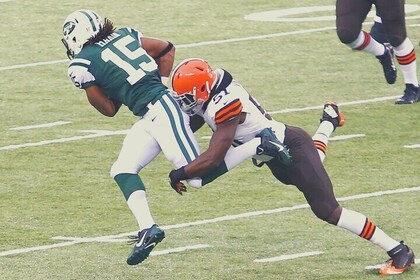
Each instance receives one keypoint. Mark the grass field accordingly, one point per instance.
(63, 217)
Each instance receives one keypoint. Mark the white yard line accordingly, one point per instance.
(108, 238)
(44, 125)
(414, 146)
(288, 257)
(179, 249)
(95, 134)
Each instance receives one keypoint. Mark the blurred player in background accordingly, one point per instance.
(121, 66)
(214, 97)
(389, 27)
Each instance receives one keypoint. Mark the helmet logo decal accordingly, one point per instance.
(68, 28)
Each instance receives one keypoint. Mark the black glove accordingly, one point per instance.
(175, 178)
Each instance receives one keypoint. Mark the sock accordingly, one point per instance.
(359, 224)
(233, 158)
(406, 57)
(321, 137)
(366, 43)
(139, 206)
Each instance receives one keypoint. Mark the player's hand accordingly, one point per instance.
(175, 178)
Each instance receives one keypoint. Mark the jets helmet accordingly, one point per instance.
(192, 81)
(78, 28)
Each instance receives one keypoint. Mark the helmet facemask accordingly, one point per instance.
(192, 81)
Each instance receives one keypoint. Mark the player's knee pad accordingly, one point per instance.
(324, 211)
(347, 36)
(120, 167)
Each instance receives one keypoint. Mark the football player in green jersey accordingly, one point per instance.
(121, 66)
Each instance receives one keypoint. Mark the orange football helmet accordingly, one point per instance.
(192, 81)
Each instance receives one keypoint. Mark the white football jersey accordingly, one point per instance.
(228, 101)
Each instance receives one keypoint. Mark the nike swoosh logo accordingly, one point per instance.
(138, 244)
(281, 147)
(151, 244)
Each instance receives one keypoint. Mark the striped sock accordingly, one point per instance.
(406, 57)
(366, 43)
(321, 137)
(361, 225)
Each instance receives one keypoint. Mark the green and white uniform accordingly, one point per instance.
(127, 74)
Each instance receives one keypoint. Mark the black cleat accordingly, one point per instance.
(145, 241)
(388, 65)
(402, 257)
(272, 147)
(411, 95)
(332, 114)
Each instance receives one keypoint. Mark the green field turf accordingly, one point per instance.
(59, 186)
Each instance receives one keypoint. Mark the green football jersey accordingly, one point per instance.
(121, 68)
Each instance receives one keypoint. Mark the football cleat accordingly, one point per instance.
(332, 114)
(388, 65)
(145, 241)
(272, 147)
(411, 95)
(402, 257)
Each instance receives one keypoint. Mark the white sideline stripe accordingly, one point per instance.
(40, 125)
(77, 240)
(206, 43)
(356, 102)
(96, 133)
(416, 261)
(178, 250)
(414, 146)
(288, 257)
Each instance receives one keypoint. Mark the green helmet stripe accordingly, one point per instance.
(90, 20)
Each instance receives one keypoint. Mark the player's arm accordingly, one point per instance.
(220, 143)
(101, 102)
(162, 51)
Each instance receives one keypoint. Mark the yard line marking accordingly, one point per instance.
(98, 133)
(37, 248)
(356, 102)
(179, 249)
(45, 125)
(77, 240)
(414, 146)
(345, 137)
(288, 257)
(416, 261)
(205, 43)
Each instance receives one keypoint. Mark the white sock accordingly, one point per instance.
(359, 224)
(406, 57)
(321, 137)
(139, 206)
(366, 43)
(238, 154)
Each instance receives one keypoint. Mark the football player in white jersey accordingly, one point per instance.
(213, 97)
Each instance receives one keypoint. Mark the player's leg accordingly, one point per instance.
(349, 18)
(330, 120)
(138, 149)
(377, 31)
(393, 19)
(311, 178)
